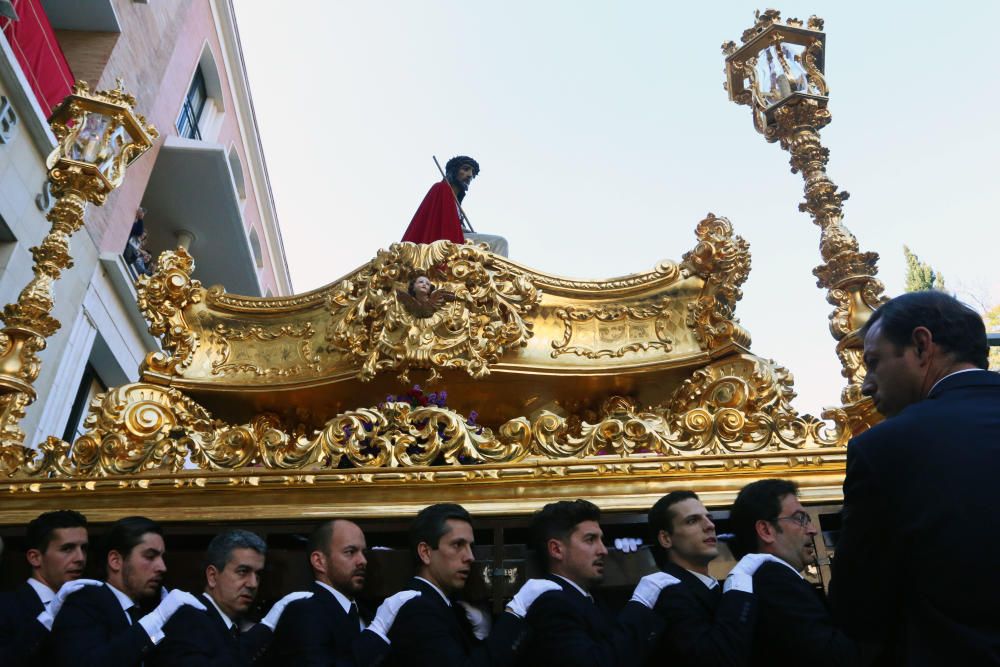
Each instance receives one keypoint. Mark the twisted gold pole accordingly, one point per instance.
(847, 274)
(29, 321)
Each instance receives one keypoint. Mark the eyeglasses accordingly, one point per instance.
(800, 517)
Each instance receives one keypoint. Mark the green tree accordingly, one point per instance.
(992, 319)
(920, 275)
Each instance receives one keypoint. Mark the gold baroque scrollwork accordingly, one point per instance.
(162, 298)
(483, 320)
(650, 320)
(722, 260)
(223, 337)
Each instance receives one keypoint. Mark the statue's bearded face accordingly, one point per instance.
(463, 176)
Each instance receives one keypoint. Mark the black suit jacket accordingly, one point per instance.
(317, 632)
(704, 628)
(429, 632)
(916, 562)
(92, 630)
(568, 628)
(22, 637)
(794, 625)
(196, 638)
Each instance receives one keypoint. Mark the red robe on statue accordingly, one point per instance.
(436, 217)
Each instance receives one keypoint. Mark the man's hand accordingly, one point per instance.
(387, 611)
(48, 617)
(273, 616)
(528, 593)
(154, 621)
(648, 590)
(480, 621)
(741, 576)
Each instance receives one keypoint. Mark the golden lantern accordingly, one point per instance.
(99, 135)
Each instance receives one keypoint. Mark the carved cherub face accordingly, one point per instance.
(422, 286)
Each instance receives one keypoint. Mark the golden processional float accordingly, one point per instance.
(288, 408)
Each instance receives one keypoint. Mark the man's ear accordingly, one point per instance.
(34, 557)
(424, 553)
(923, 341)
(663, 537)
(115, 561)
(211, 576)
(765, 532)
(317, 560)
(557, 550)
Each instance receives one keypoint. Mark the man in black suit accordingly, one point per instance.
(213, 635)
(104, 625)
(327, 629)
(916, 563)
(434, 629)
(794, 625)
(707, 624)
(568, 627)
(57, 553)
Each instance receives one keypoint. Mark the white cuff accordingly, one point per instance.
(738, 581)
(152, 628)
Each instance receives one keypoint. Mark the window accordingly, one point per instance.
(258, 255)
(194, 104)
(90, 386)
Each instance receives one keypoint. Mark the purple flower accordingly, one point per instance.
(433, 397)
(473, 416)
(443, 396)
(390, 398)
(417, 388)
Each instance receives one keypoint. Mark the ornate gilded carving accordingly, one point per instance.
(484, 320)
(254, 360)
(740, 405)
(722, 259)
(162, 298)
(611, 331)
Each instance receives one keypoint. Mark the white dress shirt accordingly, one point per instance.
(45, 594)
(440, 592)
(345, 601)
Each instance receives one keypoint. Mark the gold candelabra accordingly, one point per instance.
(99, 135)
(778, 72)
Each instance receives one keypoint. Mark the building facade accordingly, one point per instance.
(203, 185)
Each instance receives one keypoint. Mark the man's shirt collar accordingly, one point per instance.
(574, 585)
(789, 566)
(228, 621)
(705, 579)
(344, 601)
(124, 600)
(45, 594)
(439, 591)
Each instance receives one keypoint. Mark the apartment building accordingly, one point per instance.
(204, 184)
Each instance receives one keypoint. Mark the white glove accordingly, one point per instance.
(648, 590)
(271, 620)
(154, 621)
(741, 576)
(48, 616)
(529, 592)
(479, 619)
(386, 614)
(628, 544)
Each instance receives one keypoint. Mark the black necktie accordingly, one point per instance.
(134, 614)
(354, 617)
(236, 631)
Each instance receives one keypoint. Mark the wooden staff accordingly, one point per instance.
(466, 225)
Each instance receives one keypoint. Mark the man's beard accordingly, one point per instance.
(461, 187)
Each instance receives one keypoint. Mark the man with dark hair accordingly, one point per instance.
(917, 487)
(57, 553)
(706, 624)
(234, 563)
(793, 623)
(103, 625)
(327, 629)
(436, 629)
(568, 627)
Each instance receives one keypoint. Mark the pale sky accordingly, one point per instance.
(604, 136)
